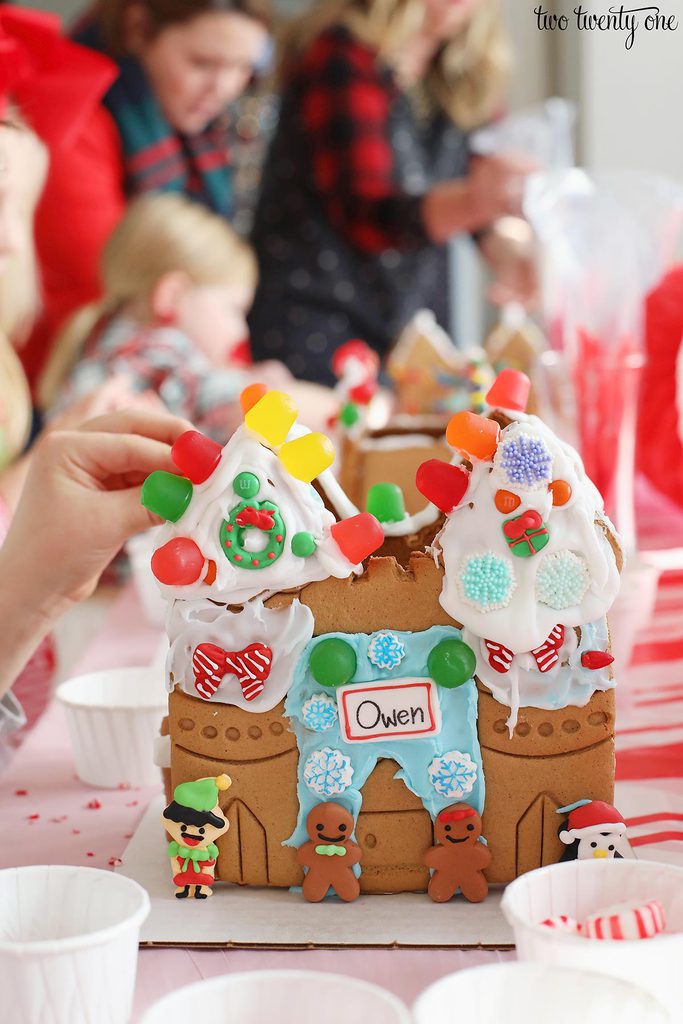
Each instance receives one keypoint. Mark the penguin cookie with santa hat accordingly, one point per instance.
(594, 830)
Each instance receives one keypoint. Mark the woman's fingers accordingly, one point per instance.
(108, 457)
(160, 426)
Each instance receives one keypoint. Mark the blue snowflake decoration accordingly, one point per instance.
(319, 712)
(453, 774)
(526, 461)
(328, 772)
(487, 581)
(562, 580)
(386, 651)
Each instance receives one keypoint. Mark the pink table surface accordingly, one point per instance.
(53, 817)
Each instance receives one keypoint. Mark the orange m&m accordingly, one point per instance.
(507, 502)
(561, 492)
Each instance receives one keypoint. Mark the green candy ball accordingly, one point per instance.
(246, 485)
(303, 544)
(349, 415)
(451, 663)
(332, 662)
(385, 502)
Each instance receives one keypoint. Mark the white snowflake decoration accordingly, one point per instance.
(453, 774)
(386, 651)
(319, 712)
(328, 772)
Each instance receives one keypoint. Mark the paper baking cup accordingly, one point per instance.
(535, 994)
(299, 997)
(580, 889)
(140, 550)
(68, 945)
(114, 719)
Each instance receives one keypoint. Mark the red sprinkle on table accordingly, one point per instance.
(93, 805)
(21, 792)
(33, 817)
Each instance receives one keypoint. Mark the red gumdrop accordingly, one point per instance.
(596, 659)
(358, 536)
(355, 349)
(510, 390)
(363, 393)
(178, 563)
(196, 456)
(442, 484)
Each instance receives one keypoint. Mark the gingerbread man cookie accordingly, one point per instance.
(458, 860)
(330, 855)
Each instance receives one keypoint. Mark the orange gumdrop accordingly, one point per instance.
(507, 502)
(474, 436)
(251, 395)
(561, 492)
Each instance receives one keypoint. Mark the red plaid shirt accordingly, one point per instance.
(346, 97)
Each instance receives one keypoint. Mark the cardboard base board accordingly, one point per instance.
(278, 919)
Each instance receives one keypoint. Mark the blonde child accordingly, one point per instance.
(177, 283)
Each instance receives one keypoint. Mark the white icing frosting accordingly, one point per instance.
(286, 631)
(476, 525)
(345, 508)
(301, 510)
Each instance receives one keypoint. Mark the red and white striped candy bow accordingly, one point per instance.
(251, 665)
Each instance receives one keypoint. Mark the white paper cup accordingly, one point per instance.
(632, 610)
(280, 997)
(535, 994)
(140, 550)
(68, 945)
(114, 719)
(580, 888)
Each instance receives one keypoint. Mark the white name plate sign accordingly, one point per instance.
(402, 709)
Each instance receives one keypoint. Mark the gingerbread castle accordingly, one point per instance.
(320, 655)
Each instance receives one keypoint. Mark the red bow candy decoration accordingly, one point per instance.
(546, 656)
(56, 83)
(251, 665)
(466, 812)
(262, 518)
(516, 528)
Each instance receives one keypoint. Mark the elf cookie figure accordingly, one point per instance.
(594, 829)
(459, 858)
(330, 855)
(194, 820)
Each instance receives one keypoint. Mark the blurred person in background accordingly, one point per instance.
(174, 65)
(369, 175)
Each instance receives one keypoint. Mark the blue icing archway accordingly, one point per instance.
(439, 767)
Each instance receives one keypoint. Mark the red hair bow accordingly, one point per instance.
(55, 83)
(466, 812)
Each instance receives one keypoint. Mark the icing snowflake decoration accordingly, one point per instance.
(386, 651)
(453, 774)
(328, 772)
(487, 581)
(526, 461)
(319, 712)
(562, 580)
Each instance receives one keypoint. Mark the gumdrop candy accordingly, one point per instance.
(451, 663)
(358, 536)
(363, 393)
(349, 415)
(385, 502)
(357, 351)
(510, 390)
(332, 662)
(272, 417)
(307, 457)
(473, 436)
(251, 395)
(178, 563)
(196, 455)
(442, 484)
(166, 495)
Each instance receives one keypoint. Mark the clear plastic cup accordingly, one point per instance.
(68, 945)
(114, 718)
(535, 994)
(581, 888)
(299, 997)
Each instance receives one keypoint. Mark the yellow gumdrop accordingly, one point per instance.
(307, 456)
(272, 417)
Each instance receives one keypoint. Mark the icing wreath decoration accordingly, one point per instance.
(253, 515)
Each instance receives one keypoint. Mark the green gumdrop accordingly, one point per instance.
(349, 415)
(385, 502)
(166, 495)
(303, 544)
(332, 662)
(451, 663)
(246, 485)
